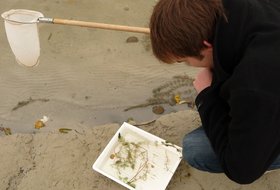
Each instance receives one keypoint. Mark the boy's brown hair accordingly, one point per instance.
(179, 27)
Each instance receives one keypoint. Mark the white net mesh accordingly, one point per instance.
(22, 33)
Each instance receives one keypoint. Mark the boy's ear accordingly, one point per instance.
(207, 44)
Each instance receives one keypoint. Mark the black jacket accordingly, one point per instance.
(240, 111)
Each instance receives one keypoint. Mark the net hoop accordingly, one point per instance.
(22, 16)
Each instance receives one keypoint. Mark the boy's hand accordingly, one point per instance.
(202, 80)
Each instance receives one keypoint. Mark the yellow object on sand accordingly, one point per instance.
(39, 124)
(177, 98)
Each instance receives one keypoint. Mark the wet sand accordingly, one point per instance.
(88, 76)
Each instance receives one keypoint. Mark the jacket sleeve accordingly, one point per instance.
(243, 131)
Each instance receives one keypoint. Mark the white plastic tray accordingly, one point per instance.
(148, 165)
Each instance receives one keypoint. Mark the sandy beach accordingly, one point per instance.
(63, 161)
(91, 81)
(85, 76)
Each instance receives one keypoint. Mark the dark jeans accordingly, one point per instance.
(198, 152)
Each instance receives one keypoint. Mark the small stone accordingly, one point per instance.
(158, 110)
(131, 121)
(132, 39)
(112, 156)
(126, 8)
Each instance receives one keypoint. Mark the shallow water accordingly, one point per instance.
(88, 76)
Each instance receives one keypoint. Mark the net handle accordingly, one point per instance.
(95, 25)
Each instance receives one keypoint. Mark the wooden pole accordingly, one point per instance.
(101, 25)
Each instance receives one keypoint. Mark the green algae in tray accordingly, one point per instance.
(138, 160)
